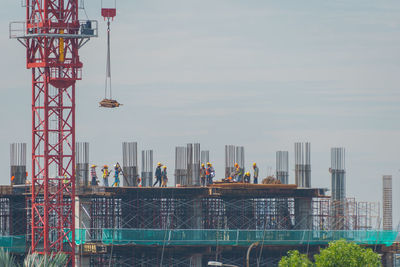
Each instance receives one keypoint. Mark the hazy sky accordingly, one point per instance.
(262, 74)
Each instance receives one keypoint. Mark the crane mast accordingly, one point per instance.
(52, 35)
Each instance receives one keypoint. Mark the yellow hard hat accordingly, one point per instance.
(159, 164)
(93, 166)
(254, 164)
(164, 167)
(208, 163)
(202, 165)
(247, 173)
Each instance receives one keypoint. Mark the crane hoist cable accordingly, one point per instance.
(108, 102)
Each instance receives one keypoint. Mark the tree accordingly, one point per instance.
(295, 259)
(343, 253)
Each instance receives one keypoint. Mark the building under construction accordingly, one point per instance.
(190, 225)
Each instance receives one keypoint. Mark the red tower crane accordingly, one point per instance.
(52, 35)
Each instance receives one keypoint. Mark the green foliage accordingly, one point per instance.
(33, 260)
(295, 259)
(343, 253)
(36, 260)
(6, 260)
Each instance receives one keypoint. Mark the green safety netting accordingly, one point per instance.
(80, 236)
(216, 237)
(242, 237)
(15, 243)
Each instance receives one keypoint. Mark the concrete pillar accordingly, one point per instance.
(303, 213)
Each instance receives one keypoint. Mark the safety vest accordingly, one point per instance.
(105, 173)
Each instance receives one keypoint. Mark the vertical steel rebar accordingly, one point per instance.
(18, 172)
(233, 154)
(282, 166)
(387, 202)
(338, 179)
(180, 165)
(129, 163)
(147, 167)
(205, 156)
(196, 165)
(82, 164)
(302, 156)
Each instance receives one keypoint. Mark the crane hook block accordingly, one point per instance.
(108, 13)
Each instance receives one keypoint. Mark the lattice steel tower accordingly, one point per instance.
(52, 35)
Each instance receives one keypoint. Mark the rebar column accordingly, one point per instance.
(180, 166)
(387, 257)
(147, 167)
(230, 160)
(302, 154)
(282, 166)
(233, 154)
(196, 165)
(338, 180)
(387, 202)
(240, 157)
(82, 164)
(189, 162)
(18, 163)
(129, 163)
(205, 157)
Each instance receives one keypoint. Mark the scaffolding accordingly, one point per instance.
(184, 226)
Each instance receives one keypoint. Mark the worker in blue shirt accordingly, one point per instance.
(158, 174)
(117, 171)
(256, 173)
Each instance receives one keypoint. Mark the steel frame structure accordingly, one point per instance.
(52, 35)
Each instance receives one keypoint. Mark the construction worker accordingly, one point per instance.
(66, 181)
(256, 173)
(203, 175)
(158, 174)
(210, 173)
(93, 174)
(164, 177)
(117, 171)
(238, 173)
(246, 177)
(106, 174)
